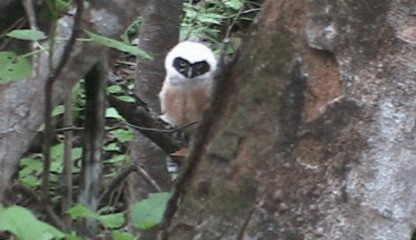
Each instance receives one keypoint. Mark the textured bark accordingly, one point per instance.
(316, 136)
(159, 32)
(22, 105)
(92, 163)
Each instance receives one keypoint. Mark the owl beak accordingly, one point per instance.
(189, 73)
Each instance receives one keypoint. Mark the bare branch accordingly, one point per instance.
(49, 128)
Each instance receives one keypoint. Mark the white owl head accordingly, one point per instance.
(190, 62)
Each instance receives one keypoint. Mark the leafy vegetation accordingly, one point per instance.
(208, 20)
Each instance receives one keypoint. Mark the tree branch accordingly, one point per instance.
(138, 115)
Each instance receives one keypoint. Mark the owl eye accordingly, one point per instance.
(183, 64)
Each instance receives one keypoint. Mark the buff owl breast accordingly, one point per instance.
(190, 69)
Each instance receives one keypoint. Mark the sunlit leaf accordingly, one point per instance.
(122, 46)
(118, 235)
(80, 210)
(58, 110)
(114, 89)
(113, 113)
(234, 4)
(126, 98)
(27, 34)
(13, 67)
(112, 147)
(149, 212)
(115, 220)
(25, 226)
(123, 135)
(30, 180)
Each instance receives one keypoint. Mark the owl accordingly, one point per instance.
(190, 68)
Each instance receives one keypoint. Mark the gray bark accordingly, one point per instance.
(316, 136)
(159, 32)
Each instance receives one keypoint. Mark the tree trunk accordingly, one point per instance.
(315, 138)
(159, 32)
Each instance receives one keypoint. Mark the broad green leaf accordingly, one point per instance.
(115, 220)
(30, 180)
(58, 110)
(33, 164)
(118, 235)
(123, 135)
(149, 212)
(114, 89)
(57, 151)
(112, 147)
(22, 223)
(112, 113)
(126, 98)
(134, 50)
(76, 153)
(117, 158)
(13, 67)
(27, 34)
(80, 210)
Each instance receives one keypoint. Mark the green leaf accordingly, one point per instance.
(80, 210)
(234, 4)
(149, 212)
(115, 220)
(27, 34)
(117, 158)
(30, 180)
(123, 135)
(112, 113)
(114, 89)
(57, 152)
(58, 110)
(22, 223)
(13, 67)
(33, 164)
(112, 147)
(122, 46)
(76, 153)
(118, 235)
(126, 98)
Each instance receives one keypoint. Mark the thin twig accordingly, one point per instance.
(243, 230)
(116, 181)
(147, 177)
(53, 76)
(125, 123)
(18, 24)
(69, 128)
(237, 16)
(160, 130)
(67, 173)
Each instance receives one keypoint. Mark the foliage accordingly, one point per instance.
(206, 20)
(149, 212)
(119, 45)
(27, 34)
(13, 67)
(24, 225)
(57, 7)
(115, 220)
